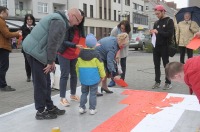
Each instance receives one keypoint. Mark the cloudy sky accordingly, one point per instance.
(180, 3)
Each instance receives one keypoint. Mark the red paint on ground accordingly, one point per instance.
(140, 103)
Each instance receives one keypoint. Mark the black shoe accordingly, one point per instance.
(99, 94)
(45, 115)
(106, 90)
(56, 111)
(28, 79)
(7, 89)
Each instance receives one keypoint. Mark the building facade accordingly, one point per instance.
(194, 3)
(101, 15)
(149, 10)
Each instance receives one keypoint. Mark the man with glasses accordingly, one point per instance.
(5, 48)
(163, 29)
(41, 46)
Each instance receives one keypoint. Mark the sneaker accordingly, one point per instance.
(56, 111)
(45, 115)
(64, 102)
(92, 112)
(111, 84)
(156, 85)
(75, 98)
(7, 89)
(167, 86)
(28, 79)
(82, 111)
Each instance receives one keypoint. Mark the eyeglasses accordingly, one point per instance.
(76, 19)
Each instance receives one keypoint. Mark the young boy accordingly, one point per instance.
(188, 73)
(90, 70)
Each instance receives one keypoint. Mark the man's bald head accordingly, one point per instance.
(75, 16)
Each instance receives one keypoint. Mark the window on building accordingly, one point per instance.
(85, 9)
(135, 6)
(119, 17)
(4, 3)
(42, 7)
(114, 0)
(119, 1)
(109, 14)
(105, 13)
(115, 15)
(100, 12)
(141, 8)
(127, 2)
(92, 30)
(147, 7)
(86, 29)
(21, 5)
(91, 11)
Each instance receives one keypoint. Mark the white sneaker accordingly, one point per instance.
(167, 86)
(82, 111)
(92, 112)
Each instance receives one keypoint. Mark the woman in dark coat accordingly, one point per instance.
(29, 23)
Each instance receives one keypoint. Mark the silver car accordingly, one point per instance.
(139, 40)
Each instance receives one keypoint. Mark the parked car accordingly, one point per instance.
(139, 40)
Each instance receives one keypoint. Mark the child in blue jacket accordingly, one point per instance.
(90, 71)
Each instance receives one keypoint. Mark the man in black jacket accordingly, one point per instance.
(163, 29)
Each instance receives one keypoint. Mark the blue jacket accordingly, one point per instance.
(108, 49)
(45, 38)
(89, 67)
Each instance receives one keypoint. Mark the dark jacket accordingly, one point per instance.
(25, 32)
(68, 39)
(165, 28)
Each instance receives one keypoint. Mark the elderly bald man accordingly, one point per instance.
(40, 47)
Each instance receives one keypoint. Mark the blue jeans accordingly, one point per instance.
(41, 84)
(4, 65)
(67, 67)
(85, 89)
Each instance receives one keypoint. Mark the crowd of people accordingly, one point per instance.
(57, 36)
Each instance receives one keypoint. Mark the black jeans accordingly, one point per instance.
(123, 65)
(158, 53)
(182, 53)
(27, 66)
(4, 65)
(41, 84)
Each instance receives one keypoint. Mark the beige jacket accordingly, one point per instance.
(185, 31)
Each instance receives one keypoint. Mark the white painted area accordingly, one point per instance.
(165, 120)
